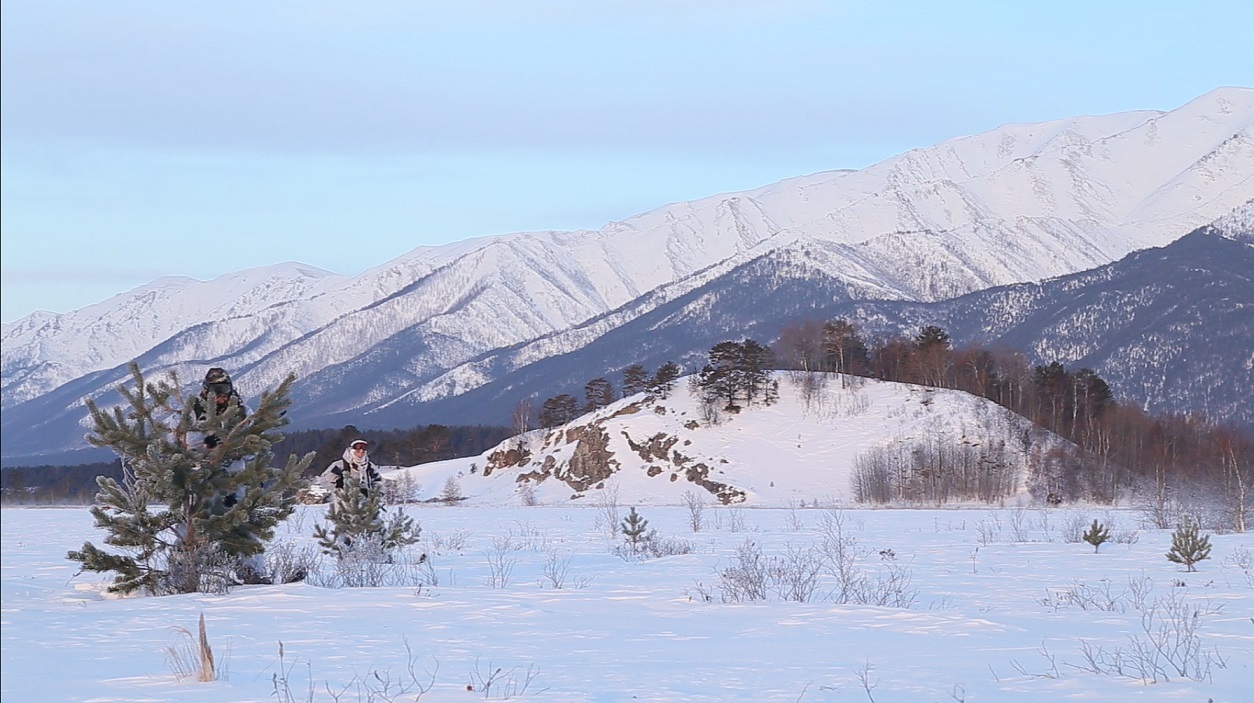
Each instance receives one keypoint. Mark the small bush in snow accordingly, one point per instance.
(1096, 535)
(451, 492)
(288, 563)
(635, 529)
(1187, 547)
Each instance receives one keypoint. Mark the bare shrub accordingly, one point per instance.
(710, 406)
(556, 569)
(1168, 645)
(1126, 537)
(890, 585)
(853, 402)
(795, 575)
(501, 562)
(1042, 515)
(377, 685)
(204, 565)
(527, 494)
(747, 578)
(652, 545)
(445, 543)
(502, 682)
(793, 520)
(1086, 597)
(1074, 528)
(702, 592)
(696, 509)
(657, 546)
(368, 563)
(527, 537)
(607, 509)
(1242, 559)
(1019, 524)
(989, 529)
(810, 386)
(287, 562)
(841, 552)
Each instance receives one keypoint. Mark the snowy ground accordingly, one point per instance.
(1003, 610)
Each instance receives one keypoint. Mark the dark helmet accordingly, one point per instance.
(217, 382)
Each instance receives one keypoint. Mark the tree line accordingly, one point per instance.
(598, 393)
(397, 447)
(1122, 447)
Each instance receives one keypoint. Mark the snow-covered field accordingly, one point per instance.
(1001, 607)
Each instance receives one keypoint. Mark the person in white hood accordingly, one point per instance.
(355, 463)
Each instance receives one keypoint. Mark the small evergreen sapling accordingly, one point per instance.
(358, 522)
(170, 515)
(1186, 547)
(1096, 535)
(635, 529)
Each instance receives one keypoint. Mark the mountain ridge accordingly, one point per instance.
(1021, 202)
(756, 299)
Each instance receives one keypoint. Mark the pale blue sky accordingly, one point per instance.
(150, 139)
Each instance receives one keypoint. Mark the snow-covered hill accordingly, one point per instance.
(1019, 203)
(807, 445)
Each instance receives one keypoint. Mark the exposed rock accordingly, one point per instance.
(726, 494)
(654, 448)
(513, 456)
(627, 410)
(590, 464)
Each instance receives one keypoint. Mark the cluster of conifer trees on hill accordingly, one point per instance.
(598, 393)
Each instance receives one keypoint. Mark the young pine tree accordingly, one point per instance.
(635, 380)
(1186, 547)
(187, 516)
(663, 381)
(1096, 535)
(360, 526)
(635, 529)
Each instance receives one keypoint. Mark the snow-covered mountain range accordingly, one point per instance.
(1017, 204)
(1170, 328)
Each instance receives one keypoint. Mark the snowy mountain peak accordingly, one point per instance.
(1020, 203)
(46, 350)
